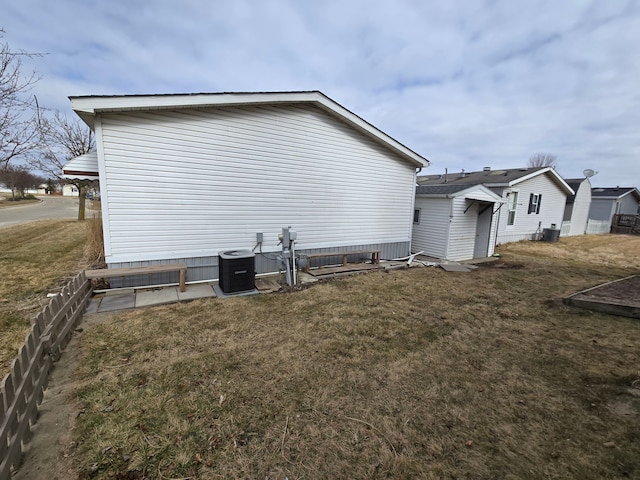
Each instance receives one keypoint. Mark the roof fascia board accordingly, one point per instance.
(554, 175)
(481, 188)
(119, 103)
(633, 191)
(88, 106)
(434, 195)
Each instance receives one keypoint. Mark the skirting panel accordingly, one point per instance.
(206, 268)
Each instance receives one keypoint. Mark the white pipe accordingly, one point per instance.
(293, 261)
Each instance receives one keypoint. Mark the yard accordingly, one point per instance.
(35, 258)
(414, 373)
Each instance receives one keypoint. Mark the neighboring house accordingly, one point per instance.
(576, 210)
(532, 198)
(69, 190)
(455, 222)
(186, 176)
(607, 202)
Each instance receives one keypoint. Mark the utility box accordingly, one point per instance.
(550, 234)
(236, 271)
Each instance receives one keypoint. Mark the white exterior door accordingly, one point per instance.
(483, 230)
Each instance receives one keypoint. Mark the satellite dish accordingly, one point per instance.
(589, 173)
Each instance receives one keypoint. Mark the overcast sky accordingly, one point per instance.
(464, 83)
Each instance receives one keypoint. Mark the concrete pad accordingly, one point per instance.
(111, 303)
(454, 267)
(93, 306)
(221, 294)
(196, 291)
(306, 278)
(158, 296)
(268, 284)
(118, 291)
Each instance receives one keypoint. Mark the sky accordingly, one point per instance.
(466, 84)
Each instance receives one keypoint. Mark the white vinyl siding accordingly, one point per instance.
(432, 234)
(628, 205)
(527, 226)
(579, 210)
(193, 182)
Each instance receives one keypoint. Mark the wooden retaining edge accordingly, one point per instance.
(611, 307)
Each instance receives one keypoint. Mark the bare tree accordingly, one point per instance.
(18, 110)
(543, 160)
(61, 140)
(19, 179)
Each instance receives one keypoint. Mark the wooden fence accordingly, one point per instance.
(22, 390)
(625, 224)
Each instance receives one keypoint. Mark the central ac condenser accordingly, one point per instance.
(236, 271)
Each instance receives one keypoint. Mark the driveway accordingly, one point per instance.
(48, 208)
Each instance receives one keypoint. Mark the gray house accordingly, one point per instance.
(607, 202)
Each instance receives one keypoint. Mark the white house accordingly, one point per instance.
(532, 199)
(607, 202)
(186, 176)
(455, 222)
(576, 209)
(69, 190)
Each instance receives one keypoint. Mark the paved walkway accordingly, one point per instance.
(128, 298)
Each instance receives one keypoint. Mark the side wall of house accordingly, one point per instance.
(528, 225)
(628, 205)
(601, 209)
(580, 213)
(184, 185)
(431, 235)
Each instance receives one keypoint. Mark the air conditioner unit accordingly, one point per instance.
(236, 271)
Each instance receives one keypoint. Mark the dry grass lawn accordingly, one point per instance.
(415, 373)
(35, 259)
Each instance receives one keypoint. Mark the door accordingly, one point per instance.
(483, 230)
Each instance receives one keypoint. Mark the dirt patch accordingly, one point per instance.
(627, 289)
(501, 265)
(621, 297)
(49, 455)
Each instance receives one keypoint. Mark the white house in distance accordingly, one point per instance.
(576, 210)
(529, 200)
(186, 176)
(607, 202)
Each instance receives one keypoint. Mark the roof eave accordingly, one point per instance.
(554, 175)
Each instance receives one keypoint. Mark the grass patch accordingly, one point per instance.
(35, 259)
(11, 202)
(414, 373)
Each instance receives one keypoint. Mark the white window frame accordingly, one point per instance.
(419, 212)
(534, 204)
(512, 207)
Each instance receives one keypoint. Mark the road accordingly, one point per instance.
(50, 207)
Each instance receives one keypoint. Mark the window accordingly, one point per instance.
(416, 215)
(534, 203)
(512, 205)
